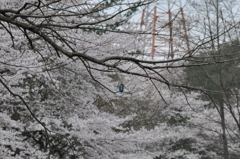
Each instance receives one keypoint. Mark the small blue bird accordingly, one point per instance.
(121, 88)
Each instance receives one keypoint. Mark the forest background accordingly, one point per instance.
(63, 60)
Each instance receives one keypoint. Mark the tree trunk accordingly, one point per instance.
(223, 125)
(221, 102)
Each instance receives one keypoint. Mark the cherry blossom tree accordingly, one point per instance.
(62, 61)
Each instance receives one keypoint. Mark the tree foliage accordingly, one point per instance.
(216, 71)
(61, 64)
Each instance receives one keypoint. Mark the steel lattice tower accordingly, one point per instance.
(168, 27)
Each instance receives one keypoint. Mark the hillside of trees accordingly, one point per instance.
(61, 65)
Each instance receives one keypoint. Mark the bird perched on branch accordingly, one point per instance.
(121, 88)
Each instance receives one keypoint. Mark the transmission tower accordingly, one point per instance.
(168, 27)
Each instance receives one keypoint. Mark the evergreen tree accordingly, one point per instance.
(216, 73)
